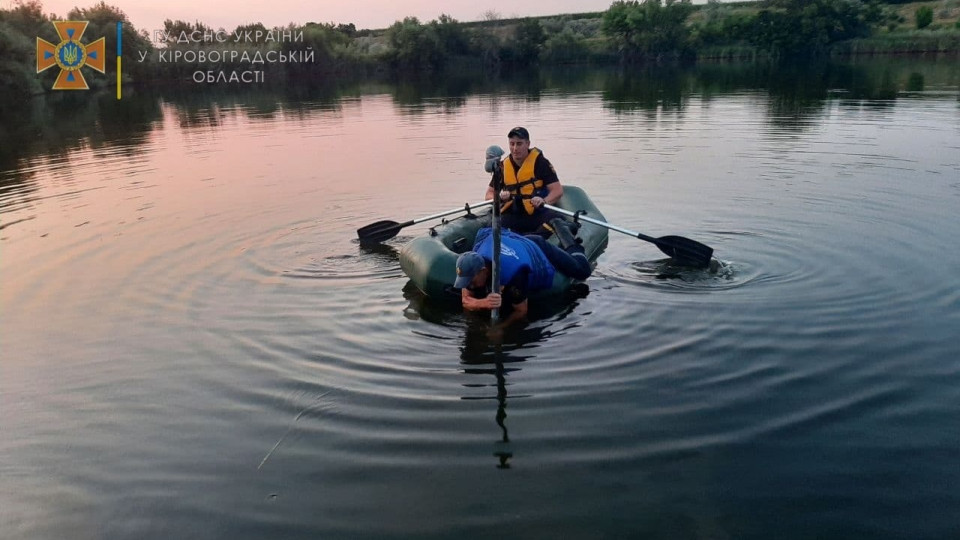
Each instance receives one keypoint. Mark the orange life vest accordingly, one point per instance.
(522, 183)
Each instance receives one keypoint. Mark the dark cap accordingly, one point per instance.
(520, 132)
(468, 265)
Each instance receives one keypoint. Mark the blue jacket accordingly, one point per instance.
(516, 253)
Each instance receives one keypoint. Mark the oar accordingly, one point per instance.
(387, 229)
(683, 250)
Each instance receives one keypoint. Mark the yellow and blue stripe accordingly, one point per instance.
(119, 54)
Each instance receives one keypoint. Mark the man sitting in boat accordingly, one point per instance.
(527, 264)
(529, 181)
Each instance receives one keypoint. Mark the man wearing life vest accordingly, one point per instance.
(529, 182)
(527, 263)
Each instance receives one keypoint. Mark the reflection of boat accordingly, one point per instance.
(431, 260)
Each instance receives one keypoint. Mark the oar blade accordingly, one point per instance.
(685, 251)
(379, 231)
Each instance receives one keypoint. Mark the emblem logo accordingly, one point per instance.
(70, 55)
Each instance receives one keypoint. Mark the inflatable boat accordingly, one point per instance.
(430, 261)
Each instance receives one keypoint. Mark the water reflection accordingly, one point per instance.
(382, 254)
(797, 95)
(419, 95)
(447, 310)
(638, 391)
(489, 350)
(17, 190)
(209, 107)
(481, 357)
(55, 127)
(59, 124)
(915, 82)
(652, 89)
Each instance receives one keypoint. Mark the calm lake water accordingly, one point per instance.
(194, 345)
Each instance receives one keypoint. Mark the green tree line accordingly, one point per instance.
(629, 32)
(21, 25)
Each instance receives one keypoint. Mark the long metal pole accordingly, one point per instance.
(495, 277)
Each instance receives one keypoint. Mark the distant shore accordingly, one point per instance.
(628, 33)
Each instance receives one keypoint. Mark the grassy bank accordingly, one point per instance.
(903, 42)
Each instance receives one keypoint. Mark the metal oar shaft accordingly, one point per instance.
(582, 217)
(684, 250)
(454, 211)
(386, 229)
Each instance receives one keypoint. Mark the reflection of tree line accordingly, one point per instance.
(797, 93)
(60, 123)
(797, 96)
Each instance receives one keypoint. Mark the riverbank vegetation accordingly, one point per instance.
(630, 32)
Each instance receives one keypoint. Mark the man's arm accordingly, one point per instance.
(491, 301)
(473, 303)
(517, 314)
(554, 192)
(496, 180)
(544, 170)
(516, 292)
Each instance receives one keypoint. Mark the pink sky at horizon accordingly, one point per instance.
(372, 14)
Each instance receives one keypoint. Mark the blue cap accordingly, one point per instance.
(468, 265)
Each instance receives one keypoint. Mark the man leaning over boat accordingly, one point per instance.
(527, 264)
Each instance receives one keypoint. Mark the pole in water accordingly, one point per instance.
(493, 165)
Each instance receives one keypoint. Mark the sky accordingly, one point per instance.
(150, 14)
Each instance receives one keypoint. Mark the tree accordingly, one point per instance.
(565, 47)
(183, 33)
(325, 40)
(103, 19)
(524, 47)
(17, 80)
(426, 47)
(414, 46)
(28, 18)
(487, 47)
(249, 29)
(450, 35)
(924, 16)
(491, 15)
(807, 27)
(349, 30)
(648, 30)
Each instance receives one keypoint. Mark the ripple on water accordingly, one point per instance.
(767, 258)
(667, 274)
(356, 268)
(272, 355)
